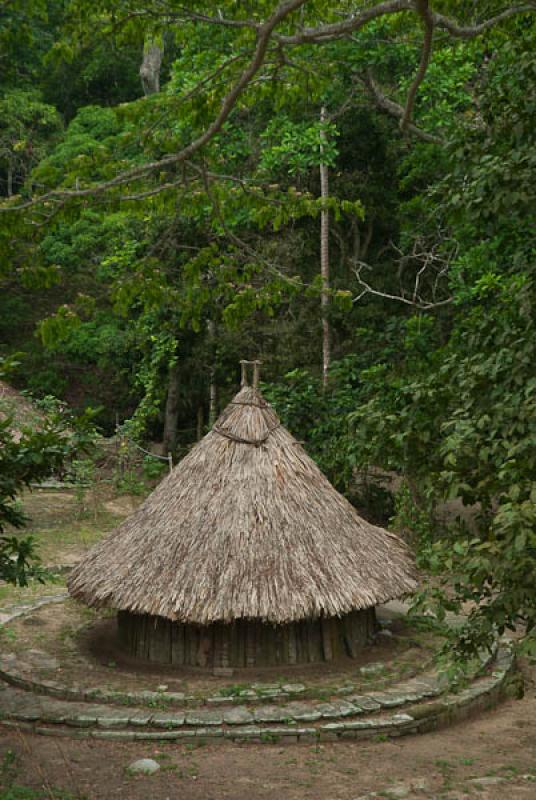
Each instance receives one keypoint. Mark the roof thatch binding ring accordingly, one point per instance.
(249, 403)
(234, 438)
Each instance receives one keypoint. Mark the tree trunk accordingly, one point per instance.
(10, 181)
(153, 52)
(363, 250)
(213, 400)
(172, 410)
(200, 422)
(324, 264)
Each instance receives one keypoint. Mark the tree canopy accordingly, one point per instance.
(160, 219)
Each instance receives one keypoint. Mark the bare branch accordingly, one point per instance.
(426, 53)
(431, 261)
(395, 110)
(415, 302)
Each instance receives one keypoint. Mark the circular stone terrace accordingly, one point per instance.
(62, 674)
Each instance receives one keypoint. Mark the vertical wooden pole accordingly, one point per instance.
(326, 639)
(256, 373)
(244, 374)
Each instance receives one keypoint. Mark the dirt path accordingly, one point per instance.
(499, 748)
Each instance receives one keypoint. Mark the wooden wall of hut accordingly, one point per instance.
(244, 643)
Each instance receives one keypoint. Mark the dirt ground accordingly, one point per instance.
(500, 744)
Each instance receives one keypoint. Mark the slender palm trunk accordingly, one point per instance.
(324, 265)
(200, 422)
(171, 414)
(213, 389)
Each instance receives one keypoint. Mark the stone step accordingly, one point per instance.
(19, 672)
(396, 725)
(46, 716)
(49, 708)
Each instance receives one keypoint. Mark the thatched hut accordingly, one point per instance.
(244, 555)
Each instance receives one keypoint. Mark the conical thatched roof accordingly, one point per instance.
(245, 526)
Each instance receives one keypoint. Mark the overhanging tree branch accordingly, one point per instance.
(237, 240)
(264, 33)
(336, 30)
(396, 110)
(471, 31)
(187, 14)
(424, 12)
(182, 14)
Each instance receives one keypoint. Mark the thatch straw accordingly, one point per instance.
(246, 526)
(20, 410)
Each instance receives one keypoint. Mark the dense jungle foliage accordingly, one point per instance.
(158, 225)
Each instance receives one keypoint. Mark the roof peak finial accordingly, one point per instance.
(256, 373)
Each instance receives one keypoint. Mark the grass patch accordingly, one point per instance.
(26, 793)
(12, 595)
(56, 540)
(233, 691)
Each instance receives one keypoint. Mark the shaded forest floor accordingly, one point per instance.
(490, 757)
